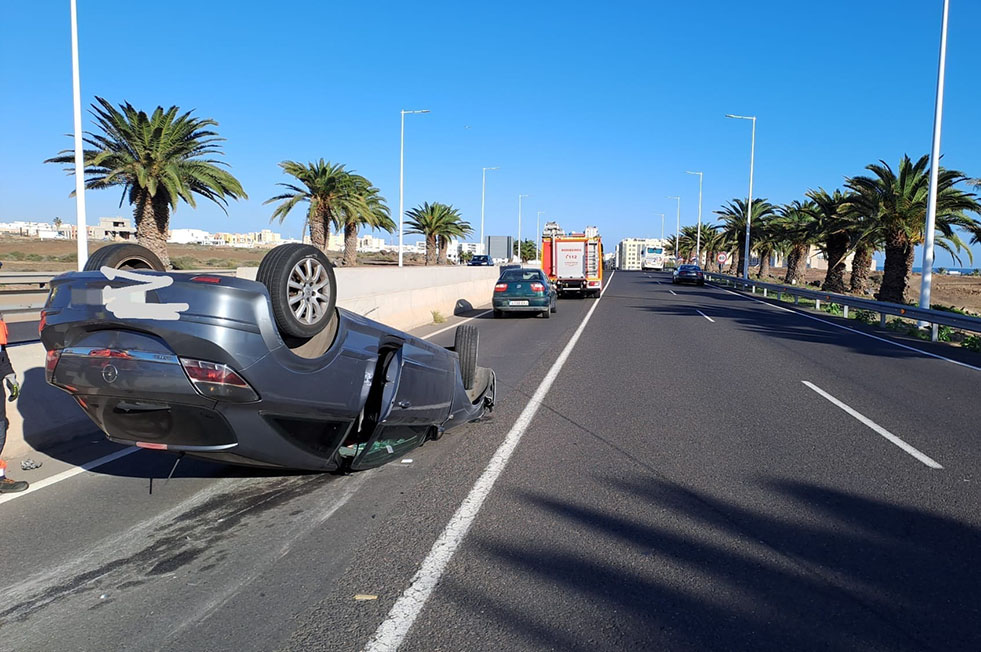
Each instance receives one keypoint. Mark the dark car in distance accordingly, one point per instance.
(688, 274)
(524, 290)
(481, 261)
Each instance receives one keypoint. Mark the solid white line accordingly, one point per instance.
(876, 427)
(704, 315)
(462, 321)
(851, 330)
(64, 475)
(393, 630)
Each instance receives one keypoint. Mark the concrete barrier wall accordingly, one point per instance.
(402, 298)
(405, 298)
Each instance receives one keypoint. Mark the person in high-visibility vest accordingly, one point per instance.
(7, 485)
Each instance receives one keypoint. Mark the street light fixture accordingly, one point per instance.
(520, 197)
(698, 233)
(483, 193)
(677, 233)
(926, 281)
(749, 203)
(402, 178)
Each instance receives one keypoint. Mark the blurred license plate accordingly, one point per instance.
(518, 303)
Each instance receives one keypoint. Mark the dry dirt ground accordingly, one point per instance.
(20, 254)
(958, 291)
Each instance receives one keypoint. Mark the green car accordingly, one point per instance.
(524, 290)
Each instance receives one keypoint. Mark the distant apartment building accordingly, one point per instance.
(369, 243)
(630, 252)
(473, 248)
(189, 236)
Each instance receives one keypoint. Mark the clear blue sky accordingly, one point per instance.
(594, 109)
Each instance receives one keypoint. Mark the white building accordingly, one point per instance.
(190, 236)
(370, 243)
(474, 248)
(630, 252)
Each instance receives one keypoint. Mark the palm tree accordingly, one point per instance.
(836, 228)
(369, 209)
(435, 221)
(766, 241)
(733, 217)
(158, 160)
(332, 193)
(796, 227)
(900, 201)
(454, 226)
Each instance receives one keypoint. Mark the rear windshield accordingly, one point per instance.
(688, 268)
(521, 275)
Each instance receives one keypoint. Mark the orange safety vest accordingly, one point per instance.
(3, 333)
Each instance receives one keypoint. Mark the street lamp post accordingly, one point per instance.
(662, 228)
(677, 233)
(82, 232)
(483, 193)
(931, 217)
(538, 235)
(698, 233)
(749, 202)
(402, 179)
(520, 197)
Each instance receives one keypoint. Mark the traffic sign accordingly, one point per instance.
(722, 257)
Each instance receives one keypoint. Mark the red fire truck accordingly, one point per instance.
(573, 261)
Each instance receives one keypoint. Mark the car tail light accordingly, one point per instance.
(217, 380)
(41, 324)
(207, 279)
(537, 287)
(50, 362)
(501, 287)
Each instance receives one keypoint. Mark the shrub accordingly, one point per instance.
(834, 309)
(972, 342)
(34, 258)
(944, 333)
(867, 316)
(184, 262)
(438, 317)
(16, 255)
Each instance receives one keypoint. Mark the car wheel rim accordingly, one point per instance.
(309, 291)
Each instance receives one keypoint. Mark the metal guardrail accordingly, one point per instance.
(41, 280)
(933, 317)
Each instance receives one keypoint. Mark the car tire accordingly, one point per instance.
(124, 256)
(546, 313)
(555, 305)
(498, 314)
(465, 345)
(304, 309)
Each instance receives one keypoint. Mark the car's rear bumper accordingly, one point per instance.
(537, 304)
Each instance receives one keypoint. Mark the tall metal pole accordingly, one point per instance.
(82, 235)
(520, 197)
(698, 233)
(538, 235)
(749, 201)
(483, 193)
(931, 216)
(662, 228)
(402, 179)
(677, 233)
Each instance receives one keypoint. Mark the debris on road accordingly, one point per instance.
(365, 596)
(30, 465)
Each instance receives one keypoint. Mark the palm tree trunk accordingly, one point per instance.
(318, 229)
(430, 249)
(796, 262)
(444, 249)
(837, 247)
(152, 217)
(896, 270)
(764, 263)
(734, 265)
(861, 267)
(350, 244)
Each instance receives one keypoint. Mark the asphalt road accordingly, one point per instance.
(680, 487)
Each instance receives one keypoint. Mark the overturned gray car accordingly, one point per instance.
(263, 373)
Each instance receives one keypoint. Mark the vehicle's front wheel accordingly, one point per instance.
(302, 288)
(124, 256)
(465, 345)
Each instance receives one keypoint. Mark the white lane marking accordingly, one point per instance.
(393, 630)
(462, 321)
(852, 330)
(876, 427)
(673, 292)
(704, 315)
(64, 475)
